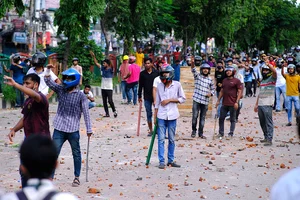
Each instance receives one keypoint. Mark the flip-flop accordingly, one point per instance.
(76, 182)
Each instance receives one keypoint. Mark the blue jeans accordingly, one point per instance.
(198, 107)
(266, 121)
(278, 91)
(289, 101)
(220, 105)
(92, 104)
(163, 125)
(59, 139)
(19, 97)
(224, 111)
(148, 107)
(123, 89)
(134, 88)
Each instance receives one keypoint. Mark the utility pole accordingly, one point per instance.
(31, 15)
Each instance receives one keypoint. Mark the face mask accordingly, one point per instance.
(219, 67)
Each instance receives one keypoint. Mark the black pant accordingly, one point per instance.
(248, 86)
(107, 94)
(254, 84)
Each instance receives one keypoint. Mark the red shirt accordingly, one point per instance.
(176, 55)
(36, 116)
(230, 91)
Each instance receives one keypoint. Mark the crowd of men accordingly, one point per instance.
(157, 85)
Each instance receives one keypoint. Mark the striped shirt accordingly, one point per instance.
(203, 86)
(70, 107)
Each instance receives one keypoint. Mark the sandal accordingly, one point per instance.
(76, 182)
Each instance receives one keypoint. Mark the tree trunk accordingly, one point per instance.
(66, 55)
(104, 31)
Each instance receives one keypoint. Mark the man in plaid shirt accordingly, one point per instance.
(204, 89)
(71, 103)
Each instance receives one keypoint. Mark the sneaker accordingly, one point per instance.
(202, 137)
(129, 103)
(193, 134)
(106, 115)
(149, 134)
(263, 141)
(289, 124)
(254, 95)
(227, 117)
(161, 166)
(173, 165)
(277, 110)
(220, 136)
(229, 137)
(115, 114)
(268, 143)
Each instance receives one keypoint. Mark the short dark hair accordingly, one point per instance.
(107, 61)
(38, 155)
(147, 59)
(87, 86)
(33, 77)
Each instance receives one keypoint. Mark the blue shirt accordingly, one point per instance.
(107, 72)
(176, 72)
(18, 74)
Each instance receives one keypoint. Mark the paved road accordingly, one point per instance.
(211, 169)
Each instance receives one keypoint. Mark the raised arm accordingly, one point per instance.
(95, 60)
(30, 92)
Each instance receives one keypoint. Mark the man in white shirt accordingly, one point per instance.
(39, 159)
(38, 61)
(280, 88)
(89, 95)
(257, 77)
(168, 94)
(78, 68)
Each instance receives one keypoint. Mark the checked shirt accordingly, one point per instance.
(203, 86)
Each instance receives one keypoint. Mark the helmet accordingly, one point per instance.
(188, 61)
(229, 60)
(166, 69)
(198, 60)
(230, 69)
(132, 58)
(125, 57)
(291, 66)
(75, 59)
(298, 48)
(279, 62)
(16, 58)
(205, 66)
(73, 77)
(254, 60)
(268, 74)
(38, 59)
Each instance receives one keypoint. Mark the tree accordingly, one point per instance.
(6, 5)
(134, 19)
(73, 19)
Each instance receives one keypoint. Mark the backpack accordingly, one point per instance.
(21, 195)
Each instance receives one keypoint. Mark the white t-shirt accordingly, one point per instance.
(280, 79)
(41, 192)
(43, 88)
(156, 81)
(287, 187)
(90, 94)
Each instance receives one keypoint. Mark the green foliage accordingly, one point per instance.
(6, 5)
(79, 51)
(9, 93)
(73, 17)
